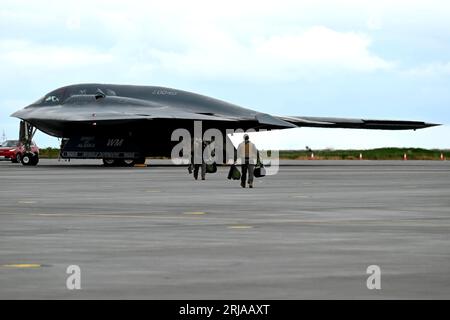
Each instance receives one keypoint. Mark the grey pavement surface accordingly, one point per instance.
(308, 232)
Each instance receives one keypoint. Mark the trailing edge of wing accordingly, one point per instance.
(322, 122)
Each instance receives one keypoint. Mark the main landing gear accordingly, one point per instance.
(122, 162)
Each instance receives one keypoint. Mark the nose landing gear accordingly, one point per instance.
(26, 133)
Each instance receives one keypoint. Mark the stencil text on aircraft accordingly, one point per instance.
(114, 142)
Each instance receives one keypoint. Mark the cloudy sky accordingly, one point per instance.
(363, 59)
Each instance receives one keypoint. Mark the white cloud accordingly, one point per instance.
(216, 53)
(25, 54)
(321, 46)
(430, 69)
(252, 41)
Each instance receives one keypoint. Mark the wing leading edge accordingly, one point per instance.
(323, 122)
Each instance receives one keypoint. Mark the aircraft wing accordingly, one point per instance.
(60, 113)
(116, 116)
(323, 122)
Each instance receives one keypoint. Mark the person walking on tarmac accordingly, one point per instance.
(197, 160)
(247, 154)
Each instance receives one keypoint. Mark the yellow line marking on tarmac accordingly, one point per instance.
(26, 202)
(22, 265)
(152, 190)
(195, 213)
(240, 227)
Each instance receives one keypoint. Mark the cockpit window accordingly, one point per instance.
(53, 98)
(60, 95)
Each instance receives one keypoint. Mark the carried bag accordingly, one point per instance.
(234, 173)
(259, 171)
(211, 168)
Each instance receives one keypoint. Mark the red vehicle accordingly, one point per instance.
(15, 151)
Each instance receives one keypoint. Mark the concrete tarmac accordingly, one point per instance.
(309, 232)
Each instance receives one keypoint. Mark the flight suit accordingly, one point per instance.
(248, 156)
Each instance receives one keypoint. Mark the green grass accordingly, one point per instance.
(373, 154)
(50, 153)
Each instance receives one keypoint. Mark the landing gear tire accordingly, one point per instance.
(109, 162)
(127, 162)
(119, 162)
(35, 160)
(29, 159)
(26, 159)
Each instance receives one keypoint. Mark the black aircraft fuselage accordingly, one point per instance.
(126, 121)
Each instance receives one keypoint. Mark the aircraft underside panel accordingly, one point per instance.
(127, 147)
(91, 147)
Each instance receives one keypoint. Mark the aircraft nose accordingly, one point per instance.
(21, 114)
